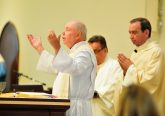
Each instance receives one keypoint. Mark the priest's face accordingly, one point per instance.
(70, 35)
(137, 36)
(100, 52)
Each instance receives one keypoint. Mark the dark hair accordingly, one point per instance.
(145, 24)
(100, 39)
(137, 101)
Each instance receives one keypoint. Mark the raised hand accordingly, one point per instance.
(54, 41)
(36, 43)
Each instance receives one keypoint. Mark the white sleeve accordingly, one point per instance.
(131, 76)
(63, 62)
(45, 63)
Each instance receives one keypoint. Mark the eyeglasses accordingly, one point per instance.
(96, 51)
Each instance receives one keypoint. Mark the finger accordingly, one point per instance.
(59, 37)
(123, 57)
(49, 34)
(120, 57)
(52, 35)
(30, 37)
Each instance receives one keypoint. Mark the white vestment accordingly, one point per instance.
(108, 84)
(147, 70)
(80, 66)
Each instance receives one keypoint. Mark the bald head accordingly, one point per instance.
(75, 31)
(80, 27)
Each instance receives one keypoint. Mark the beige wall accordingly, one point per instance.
(109, 18)
(162, 31)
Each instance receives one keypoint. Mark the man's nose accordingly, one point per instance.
(131, 36)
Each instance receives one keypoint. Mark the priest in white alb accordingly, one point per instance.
(108, 80)
(146, 65)
(79, 66)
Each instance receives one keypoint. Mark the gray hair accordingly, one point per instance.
(81, 28)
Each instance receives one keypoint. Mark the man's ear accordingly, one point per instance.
(106, 50)
(79, 34)
(146, 32)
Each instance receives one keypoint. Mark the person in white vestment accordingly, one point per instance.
(145, 67)
(108, 80)
(79, 65)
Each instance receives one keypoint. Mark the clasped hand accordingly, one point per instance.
(124, 62)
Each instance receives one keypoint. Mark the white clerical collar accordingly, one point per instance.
(78, 45)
